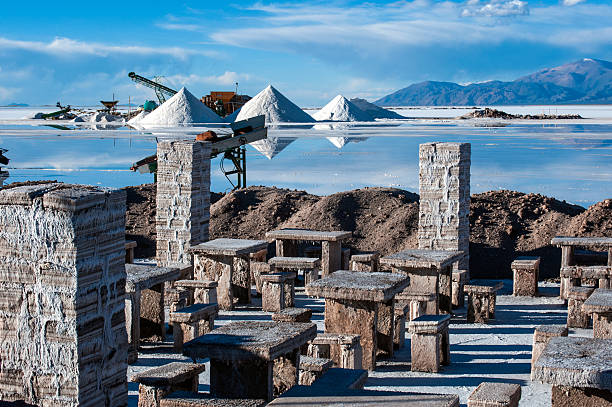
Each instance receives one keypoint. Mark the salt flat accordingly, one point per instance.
(498, 351)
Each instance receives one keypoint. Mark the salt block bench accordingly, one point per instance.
(459, 279)
(199, 291)
(307, 265)
(578, 369)
(312, 368)
(417, 302)
(489, 394)
(365, 262)
(576, 296)
(293, 315)
(599, 304)
(227, 261)
(277, 291)
(541, 336)
(190, 399)
(525, 271)
(430, 345)
(142, 277)
(370, 398)
(344, 350)
(190, 322)
(158, 382)
(130, 245)
(482, 295)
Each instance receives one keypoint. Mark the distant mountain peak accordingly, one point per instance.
(584, 81)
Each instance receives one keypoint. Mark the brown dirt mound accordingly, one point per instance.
(504, 224)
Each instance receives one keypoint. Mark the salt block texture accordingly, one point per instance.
(444, 189)
(183, 199)
(63, 340)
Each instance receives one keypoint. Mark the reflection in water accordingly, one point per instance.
(271, 146)
(342, 141)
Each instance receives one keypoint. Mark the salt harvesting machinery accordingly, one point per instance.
(232, 146)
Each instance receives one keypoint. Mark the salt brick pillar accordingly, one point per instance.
(444, 188)
(183, 199)
(63, 340)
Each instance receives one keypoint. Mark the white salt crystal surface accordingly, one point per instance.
(275, 106)
(181, 108)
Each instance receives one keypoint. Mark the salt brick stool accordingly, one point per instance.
(525, 272)
(190, 322)
(259, 268)
(158, 382)
(576, 317)
(417, 302)
(309, 266)
(344, 350)
(489, 394)
(399, 332)
(459, 278)
(429, 341)
(599, 304)
(346, 258)
(541, 336)
(190, 399)
(312, 368)
(274, 295)
(293, 315)
(130, 246)
(367, 262)
(481, 300)
(199, 291)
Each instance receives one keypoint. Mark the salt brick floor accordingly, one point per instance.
(498, 351)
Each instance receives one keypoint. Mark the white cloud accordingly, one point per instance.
(6, 93)
(180, 27)
(227, 78)
(496, 8)
(68, 47)
(572, 2)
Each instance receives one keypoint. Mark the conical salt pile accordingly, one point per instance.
(276, 107)
(179, 109)
(376, 112)
(340, 109)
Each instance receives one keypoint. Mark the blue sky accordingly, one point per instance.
(80, 52)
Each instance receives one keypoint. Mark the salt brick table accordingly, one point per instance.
(249, 359)
(227, 262)
(331, 245)
(571, 273)
(430, 271)
(142, 277)
(599, 304)
(579, 369)
(361, 303)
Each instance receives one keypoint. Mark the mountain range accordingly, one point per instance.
(588, 81)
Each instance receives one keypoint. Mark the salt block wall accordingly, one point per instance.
(183, 199)
(63, 340)
(444, 188)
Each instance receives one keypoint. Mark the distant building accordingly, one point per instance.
(224, 103)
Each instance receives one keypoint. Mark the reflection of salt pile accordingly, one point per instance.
(271, 146)
(276, 107)
(179, 109)
(342, 141)
(375, 112)
(342, 110)
(138, 118)
(339, 128)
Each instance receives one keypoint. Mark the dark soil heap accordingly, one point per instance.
(504, 224)
(489, 113)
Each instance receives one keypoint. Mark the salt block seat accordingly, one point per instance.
(190, 322)
(599, 304)
(430, 345)
(369, 261)
(278, 291)
(489, 394)
(459, 279)
(482, 295)
(293, 315)
(158, 382)
(200, 291)
(399, 332)
(312, 368)
(345, 350)
(541, 336)
(525, 271)
(309, 266)
(576, 296)
(191, 399)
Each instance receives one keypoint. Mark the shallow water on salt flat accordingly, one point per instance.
(569, 160)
